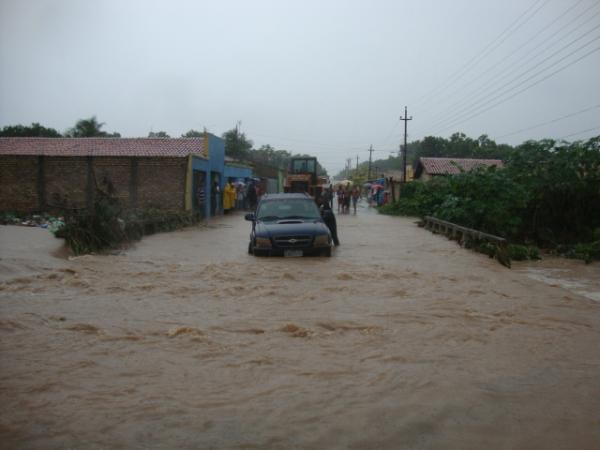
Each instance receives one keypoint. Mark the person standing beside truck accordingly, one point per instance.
(328, 218)
(355, 196)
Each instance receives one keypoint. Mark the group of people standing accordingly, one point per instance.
(241, 196)
(233, 196)
(345, 196)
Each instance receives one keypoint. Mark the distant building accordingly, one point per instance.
(427, 168)
(397, 175)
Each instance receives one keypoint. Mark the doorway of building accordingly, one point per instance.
(215, 193)
(199, 189)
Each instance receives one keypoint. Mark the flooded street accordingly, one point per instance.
(400, 340)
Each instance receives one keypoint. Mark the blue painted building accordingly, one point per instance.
(209, 171)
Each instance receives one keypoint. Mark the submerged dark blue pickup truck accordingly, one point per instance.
(288, 225)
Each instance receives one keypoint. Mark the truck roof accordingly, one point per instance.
(285, 196)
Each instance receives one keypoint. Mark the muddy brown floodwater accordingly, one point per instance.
(400, 340)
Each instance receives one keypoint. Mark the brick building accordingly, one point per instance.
(40, 174)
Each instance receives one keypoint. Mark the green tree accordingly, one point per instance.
(237, 146)
(548, 193)
(158, 134)
(431, 146)
(35, 130)
(563, 180)
(270, 156)
(193, 134)
(89, 128)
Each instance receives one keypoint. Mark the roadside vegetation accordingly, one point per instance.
(105, 228)
(108, 226)
(548, 196)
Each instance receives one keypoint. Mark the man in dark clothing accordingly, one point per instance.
(328, 218)
(251, 195)
(328, 197)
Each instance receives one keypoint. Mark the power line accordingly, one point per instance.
(405, 119)
(486, 50)
(370, 161)
(482, 108)
(482, 99)
(548, 122)
(580, 132)
(517, 63)
(390, 134)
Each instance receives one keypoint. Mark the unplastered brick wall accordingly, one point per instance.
(18, 183)
(149, 182)
(161, 183)
(117, 172)
(65, 181)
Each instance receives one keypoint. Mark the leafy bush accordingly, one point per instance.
(107, 226)
(522, 252)
(548, 194)
(588, 252)
(563, 182)
(96, 230)
(485, 199)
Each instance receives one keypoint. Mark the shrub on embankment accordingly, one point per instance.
(548, 194)
(108, 226)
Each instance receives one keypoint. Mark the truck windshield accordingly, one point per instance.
(287, 209)
(303, 165)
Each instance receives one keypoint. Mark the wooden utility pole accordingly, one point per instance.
(370, 154)
(356, 162)
(405, 119)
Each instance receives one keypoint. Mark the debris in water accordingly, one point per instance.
(295, 330)
(173, 332)
(84, 328)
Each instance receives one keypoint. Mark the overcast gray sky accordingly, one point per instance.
(323, 77)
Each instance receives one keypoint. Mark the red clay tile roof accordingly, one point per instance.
(453, 166)
(174, 147)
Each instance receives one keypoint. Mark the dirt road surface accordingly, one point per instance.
(400, 340)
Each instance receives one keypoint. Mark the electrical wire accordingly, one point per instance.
(512, 133)
(483, 108)
(384, 142)
(580, 132)
(465, 106)
(508, 69)
(487, 49)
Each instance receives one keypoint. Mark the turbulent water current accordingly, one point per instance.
(400, 340)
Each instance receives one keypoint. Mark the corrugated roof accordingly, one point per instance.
(173, 147)
(453, 166)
